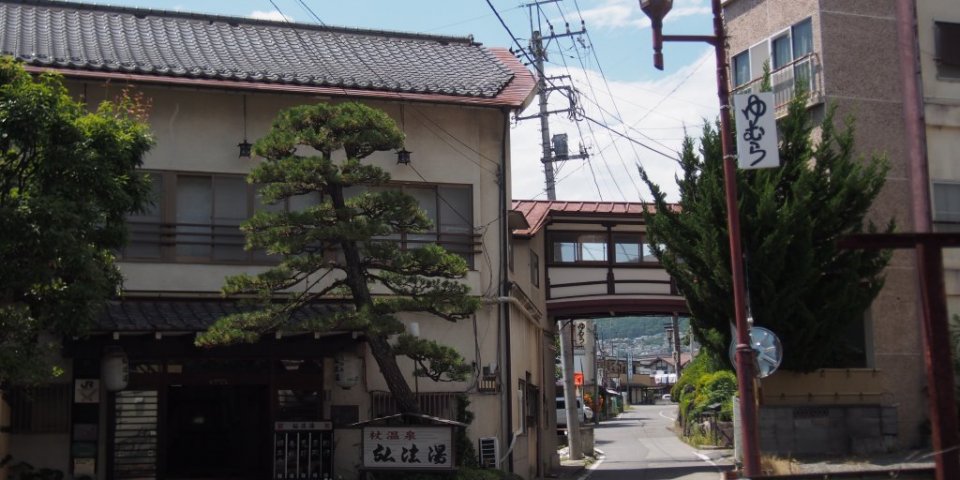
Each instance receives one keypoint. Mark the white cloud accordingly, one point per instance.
(659, 120)
(614, 14)
(271, 15)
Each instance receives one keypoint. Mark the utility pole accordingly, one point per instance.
(569, 390)
(554, 149)
(677, 355)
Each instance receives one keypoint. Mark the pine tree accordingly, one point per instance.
(801, 286)
(340, 248)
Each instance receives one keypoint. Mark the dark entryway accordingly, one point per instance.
(217, 432)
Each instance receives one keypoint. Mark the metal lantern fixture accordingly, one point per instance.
(656, 10)
(245, 146)
(403, 156)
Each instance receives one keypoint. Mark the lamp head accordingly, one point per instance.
(656, 10)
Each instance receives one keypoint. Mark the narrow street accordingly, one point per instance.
(638, 445)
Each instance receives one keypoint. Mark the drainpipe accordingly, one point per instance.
(506, 384)
(913, 114)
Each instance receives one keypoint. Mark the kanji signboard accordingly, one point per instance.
(407, 447)
(756, 130)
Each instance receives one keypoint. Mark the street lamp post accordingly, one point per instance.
(656, 10)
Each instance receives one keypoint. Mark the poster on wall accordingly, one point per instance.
(408, 447)
(86, 390)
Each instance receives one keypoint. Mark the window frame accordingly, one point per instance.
(167, 226)
(949, 70)
(935, 211)
(744, 55)
(611, 247)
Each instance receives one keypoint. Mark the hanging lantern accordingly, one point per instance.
(245, 148)
(114, 369)
(403, 157)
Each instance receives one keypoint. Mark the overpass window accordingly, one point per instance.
(628, 248)
(571, 247)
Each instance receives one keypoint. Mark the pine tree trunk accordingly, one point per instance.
(387, 361)
(379, 347)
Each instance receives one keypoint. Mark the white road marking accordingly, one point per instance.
(593, 466)
(706, 459)
(667, 416)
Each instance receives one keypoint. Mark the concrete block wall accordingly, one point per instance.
(827, 429)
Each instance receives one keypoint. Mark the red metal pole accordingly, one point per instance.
(745, 374)
(936, 356)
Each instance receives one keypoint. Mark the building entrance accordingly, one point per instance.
(217, 432)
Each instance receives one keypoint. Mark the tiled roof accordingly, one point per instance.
(537, 212)
(180, 315)
(172, 46)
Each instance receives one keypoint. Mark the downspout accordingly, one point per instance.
(913, 113)
(506, 385)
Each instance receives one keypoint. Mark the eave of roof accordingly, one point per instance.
(538, 212)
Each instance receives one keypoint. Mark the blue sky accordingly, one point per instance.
(611, 67)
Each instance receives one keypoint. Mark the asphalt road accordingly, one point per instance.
(638, 446)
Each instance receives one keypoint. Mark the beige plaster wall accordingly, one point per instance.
(856, 40)
(198, 130)
(942, 112)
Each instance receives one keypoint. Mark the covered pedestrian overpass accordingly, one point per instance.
(597, 261)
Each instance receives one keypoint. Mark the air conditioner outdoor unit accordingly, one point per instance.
(489, 452)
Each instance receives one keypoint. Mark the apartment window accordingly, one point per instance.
(741, 68)
(802, 38)
(780, 50)
(946, 202)
(947, 39)
(534, 269)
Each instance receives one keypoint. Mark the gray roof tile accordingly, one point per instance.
(113, 39)
(183, 315)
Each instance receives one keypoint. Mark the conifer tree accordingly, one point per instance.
(801, 286)
(341, 247)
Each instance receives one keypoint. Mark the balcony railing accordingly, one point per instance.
(223, 243)
(804, 72)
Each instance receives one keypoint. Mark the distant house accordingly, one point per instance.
(280, 408)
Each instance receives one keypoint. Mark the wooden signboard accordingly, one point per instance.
(408, 447)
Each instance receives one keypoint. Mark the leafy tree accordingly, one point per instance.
(341, 247)
(800, 284)
(67, 180)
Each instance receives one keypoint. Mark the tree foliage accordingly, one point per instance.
(340, 248)
(800, 284)
(67, 180)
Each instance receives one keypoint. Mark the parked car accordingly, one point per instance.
(586, 413)
(667, 397)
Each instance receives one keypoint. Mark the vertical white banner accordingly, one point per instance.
(755, 116)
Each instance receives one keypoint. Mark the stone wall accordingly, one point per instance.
(827, 429)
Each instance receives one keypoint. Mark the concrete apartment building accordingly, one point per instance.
(845, 54)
